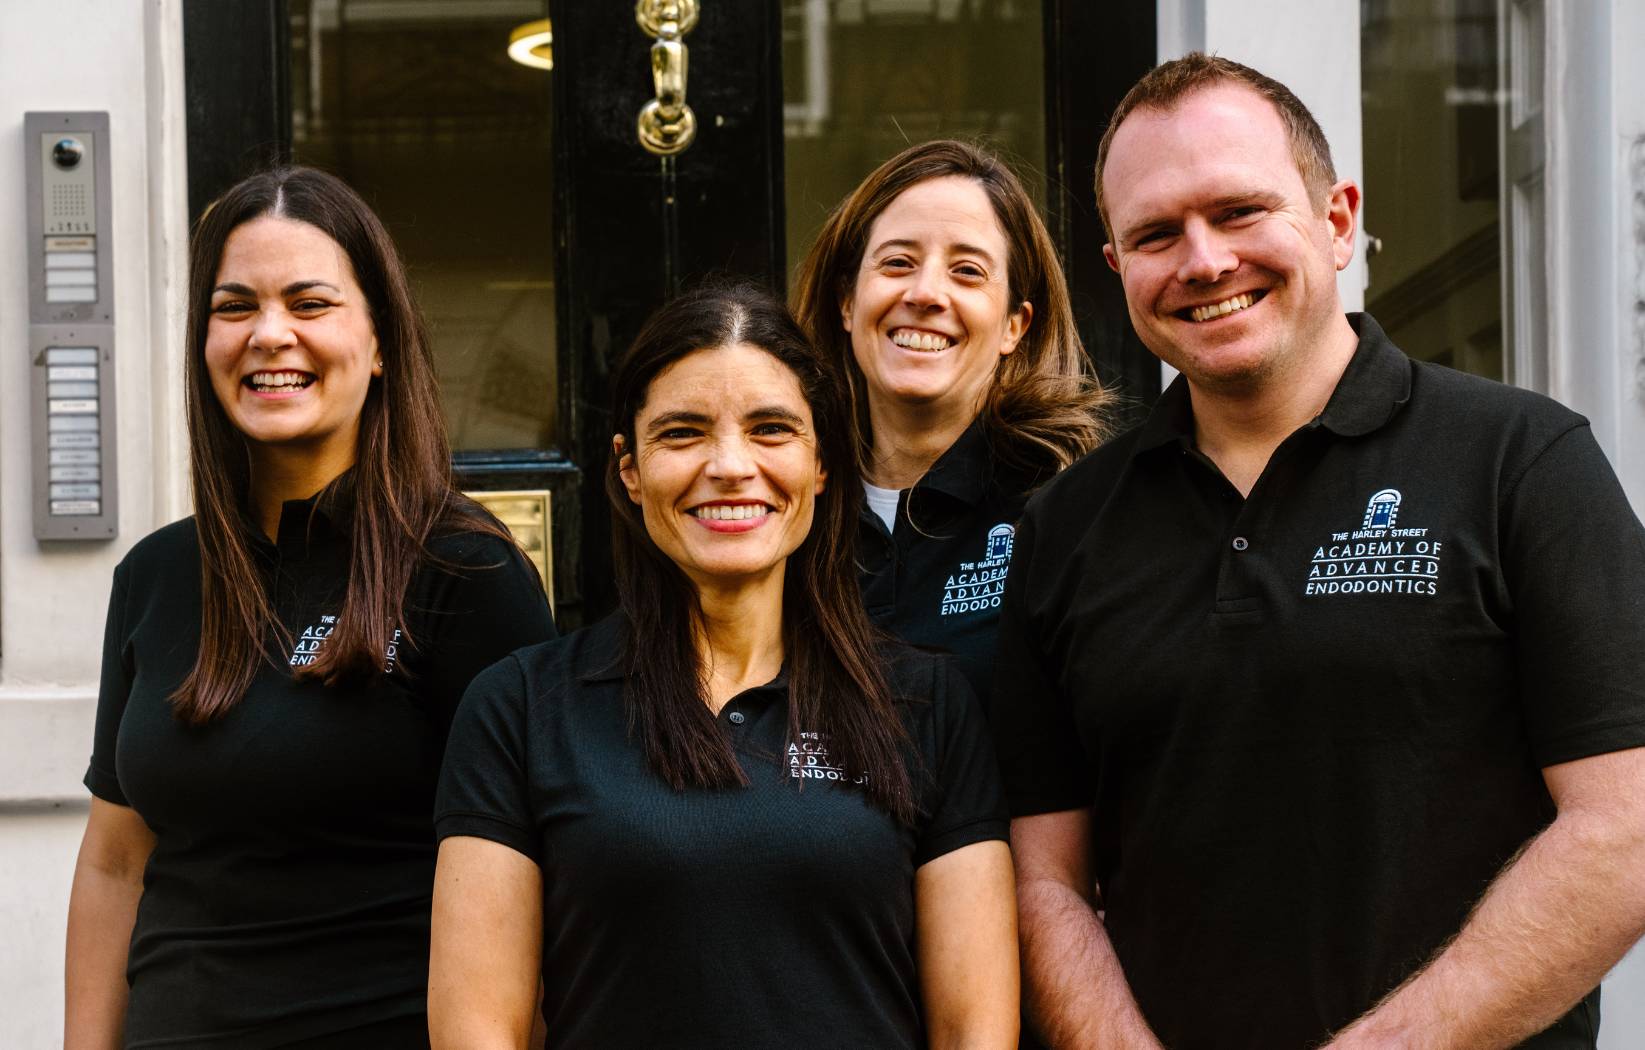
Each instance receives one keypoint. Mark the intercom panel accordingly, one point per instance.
(71, 326)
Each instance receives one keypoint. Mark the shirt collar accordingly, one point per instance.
(1373, 388)
(607, 652)
(332, 509)
(961, 471)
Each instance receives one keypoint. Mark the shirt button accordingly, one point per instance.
(1240, 543)
(736, 718)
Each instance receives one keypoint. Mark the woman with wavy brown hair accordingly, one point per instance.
(938, 287)
(280, 669)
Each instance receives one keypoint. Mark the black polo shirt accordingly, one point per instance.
(288, 894)
(1311, 723)
(776, 915)
(936, 579)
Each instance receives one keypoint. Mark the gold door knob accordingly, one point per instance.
(666, 123)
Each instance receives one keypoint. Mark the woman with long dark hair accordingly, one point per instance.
(281, 669)
(936, 287)
(734, 813)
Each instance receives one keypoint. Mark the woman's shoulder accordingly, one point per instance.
(163, 551)
(920, 674)
(590, 654)
(463, 543)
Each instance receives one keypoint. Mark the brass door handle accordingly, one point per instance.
(666, 123)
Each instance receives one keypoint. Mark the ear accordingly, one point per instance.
(1016, 326)
(822, 478)
(845, 312)
(625, 468)
(1342, 212)
(1112, 257)
(376, 357)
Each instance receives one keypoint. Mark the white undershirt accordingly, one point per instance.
(884, 503)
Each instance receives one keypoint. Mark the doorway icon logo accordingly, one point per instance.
(1382, 510)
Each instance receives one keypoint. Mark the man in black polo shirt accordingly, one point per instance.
(1320, 697)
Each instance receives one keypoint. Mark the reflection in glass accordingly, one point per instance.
(864, 79)
(1429, 81)
(416, 104)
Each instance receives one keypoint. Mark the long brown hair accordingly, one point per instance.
(837, 683)
(1043, 410)
(402, 490)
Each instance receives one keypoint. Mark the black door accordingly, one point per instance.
(541, 233)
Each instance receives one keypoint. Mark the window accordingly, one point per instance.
(416, 104)
(864, 79)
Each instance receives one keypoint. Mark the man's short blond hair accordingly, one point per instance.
(1168, 84)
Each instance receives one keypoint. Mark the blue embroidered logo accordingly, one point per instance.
(1382, 510)
(1000, 538)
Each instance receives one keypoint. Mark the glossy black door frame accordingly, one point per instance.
(236, 92)
(635, 229)
(1094, 52)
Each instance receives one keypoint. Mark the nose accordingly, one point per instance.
(272, 333)
(928, 290)
(1209, 257)
(731, 462)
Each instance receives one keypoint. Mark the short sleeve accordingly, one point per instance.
(1574, 562)
(113, 690)
(485, 603)
(970, 806)
(1044, 767)
(484, 790)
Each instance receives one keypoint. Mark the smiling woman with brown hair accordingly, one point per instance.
(733, 814)
(280, 670)
(937, 289)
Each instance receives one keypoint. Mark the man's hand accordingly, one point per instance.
(1556, 920)
(1073, 988)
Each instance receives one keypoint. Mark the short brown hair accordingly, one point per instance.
(1044, 410)
(1166, 85)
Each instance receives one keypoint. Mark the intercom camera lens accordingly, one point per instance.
(67, 153)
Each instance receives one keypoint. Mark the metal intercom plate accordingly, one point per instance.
(71, 326)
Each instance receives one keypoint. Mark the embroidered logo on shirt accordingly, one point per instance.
(308, 646)
(808, 760)
(1377, 558)
(979, 584)
(314, 638)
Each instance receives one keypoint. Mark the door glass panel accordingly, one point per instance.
(864, 79)
(417, 105)
(1432, 161)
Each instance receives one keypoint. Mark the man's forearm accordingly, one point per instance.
(1074, 989)
(1547, 931)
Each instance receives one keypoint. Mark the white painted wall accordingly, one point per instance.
(125, 57)
(1624, 141)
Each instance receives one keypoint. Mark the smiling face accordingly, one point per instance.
(290, 344)
(931, 314)
(726, 470)
(1229, 270)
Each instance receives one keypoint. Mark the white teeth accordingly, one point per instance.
(1222, 309)
(722, 512)
(920, 340)
(279, 382)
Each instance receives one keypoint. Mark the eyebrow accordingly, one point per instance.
(668, 419)
(962, 249)
(291, 289)
(1262, 197)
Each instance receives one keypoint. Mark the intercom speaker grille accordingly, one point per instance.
(69, 203)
